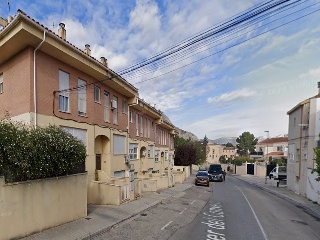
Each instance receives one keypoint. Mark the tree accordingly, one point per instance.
(222, 159)
(229, 145)
(246, 142)
(188, 152)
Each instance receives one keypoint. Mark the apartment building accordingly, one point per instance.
(44, 79)
(215, 151)
(303, 137)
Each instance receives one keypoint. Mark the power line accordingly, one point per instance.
(211, 32)
(184, 54)
(228, 47)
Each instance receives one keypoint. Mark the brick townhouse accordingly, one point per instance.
(44, 79)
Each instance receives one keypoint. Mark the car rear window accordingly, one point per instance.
(202, 174)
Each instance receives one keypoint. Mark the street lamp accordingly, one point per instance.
(267, 157)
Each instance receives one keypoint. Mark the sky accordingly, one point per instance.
(245, 83)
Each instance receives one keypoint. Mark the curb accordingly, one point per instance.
(106, 229)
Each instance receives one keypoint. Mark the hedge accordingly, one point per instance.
(28, 153)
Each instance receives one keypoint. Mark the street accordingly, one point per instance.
(229, 210)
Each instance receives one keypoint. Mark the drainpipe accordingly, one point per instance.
(35, 80)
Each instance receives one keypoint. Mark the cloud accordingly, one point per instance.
(236, 95)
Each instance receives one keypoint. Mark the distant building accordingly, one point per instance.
(215, 151)
(276, 147)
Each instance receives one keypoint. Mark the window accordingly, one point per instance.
(106, 100)
(119, 144)
(63, 91)
(119, 174)
(96, 94)
(130, 116)
(156, 156)
(137, 124)
(150, 151)
(133, 151)
(166, 156)
(141, 126)
(115, 111)
(294, 122)
(1, 83)
(279, 148)
(124, 106)
(82, 97)
(149, 126)
(81, 134)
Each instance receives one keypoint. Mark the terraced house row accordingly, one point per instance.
(44, 79)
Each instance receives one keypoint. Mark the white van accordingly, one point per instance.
(278, 173)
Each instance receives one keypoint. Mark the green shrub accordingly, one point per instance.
(28, 153)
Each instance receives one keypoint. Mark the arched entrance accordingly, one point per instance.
(102, 153)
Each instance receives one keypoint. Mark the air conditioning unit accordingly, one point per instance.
(127, 159)
(113, 104)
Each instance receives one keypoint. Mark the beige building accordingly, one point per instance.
(303, 137)
(44, 79)
(215, 151)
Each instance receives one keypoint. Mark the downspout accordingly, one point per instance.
(35, 80)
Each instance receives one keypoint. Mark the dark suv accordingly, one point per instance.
(215, 173)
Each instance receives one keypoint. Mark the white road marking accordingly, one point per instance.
(199, 196)
(193, 202)
(183, 211)
(166, 225)
(254, 214)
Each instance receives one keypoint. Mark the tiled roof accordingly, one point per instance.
(276, 153)
(273, 140)
(22, 13)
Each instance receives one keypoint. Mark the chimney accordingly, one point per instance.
(10, 18)
(3, 22)
(87, 49)
(62, 31)
(104, 61)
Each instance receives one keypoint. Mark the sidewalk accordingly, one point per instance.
(102, 218)
(282, 192)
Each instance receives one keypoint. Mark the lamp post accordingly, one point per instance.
(267, 157)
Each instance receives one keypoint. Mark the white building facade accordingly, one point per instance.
(303, 137)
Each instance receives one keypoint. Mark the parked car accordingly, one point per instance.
(215, 173)
(202, 178)
(278, 173)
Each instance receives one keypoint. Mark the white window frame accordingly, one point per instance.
(150, 151)
(115, 111)
(1, 83)
(124, 106)
(97, 93)
(64, 95)
(133, 151)
(156, 155)
(130, 116)
(106, 112)
(82, 97)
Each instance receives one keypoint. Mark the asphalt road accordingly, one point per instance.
(228, 210)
